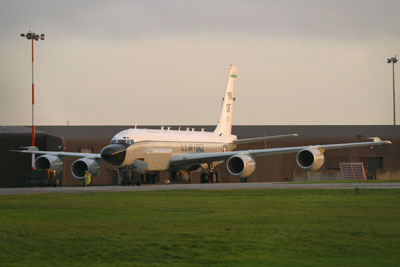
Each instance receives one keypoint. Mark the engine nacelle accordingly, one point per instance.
(80, 166)
(310, 159)
(49, 162)
(241, 165)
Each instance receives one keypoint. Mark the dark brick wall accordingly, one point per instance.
(15, 166)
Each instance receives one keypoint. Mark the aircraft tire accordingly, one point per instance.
(214, 177)
(203, 178)
(218, 177)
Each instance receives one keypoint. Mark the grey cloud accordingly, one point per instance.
(119, 19)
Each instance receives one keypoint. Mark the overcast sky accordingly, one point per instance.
(164, 62)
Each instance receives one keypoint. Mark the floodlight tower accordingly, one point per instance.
(33, 37)
(392, 61)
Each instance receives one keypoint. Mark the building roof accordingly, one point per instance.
(242, 131)
(17, 130)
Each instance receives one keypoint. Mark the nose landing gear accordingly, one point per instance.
(130, 176)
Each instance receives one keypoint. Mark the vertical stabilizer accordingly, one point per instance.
(225, 121)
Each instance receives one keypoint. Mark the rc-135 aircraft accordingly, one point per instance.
(148, 152)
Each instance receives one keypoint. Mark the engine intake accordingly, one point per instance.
(241, 165)
(310, 159)
(80, 166)
(49, 162)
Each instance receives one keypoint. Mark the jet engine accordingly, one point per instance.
(310, 158)
(80, 166)
(241, 165)
(49, 162)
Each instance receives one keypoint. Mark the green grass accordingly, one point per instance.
(189, 228)
(348, 181)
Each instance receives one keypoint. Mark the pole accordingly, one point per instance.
(33, 100)
(394, 98)
(33, 107)
(33, 37)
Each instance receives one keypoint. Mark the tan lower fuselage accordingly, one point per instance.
(158, 153)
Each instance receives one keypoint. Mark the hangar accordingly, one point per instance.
(381, 162)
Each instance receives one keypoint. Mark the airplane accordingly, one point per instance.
(147, 152)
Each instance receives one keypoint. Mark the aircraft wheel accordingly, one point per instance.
(203, 178)
(213, 177)
(218, 177)
(173, 176)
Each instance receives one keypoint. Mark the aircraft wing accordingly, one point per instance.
(198, 158)
(264, 138)
(62, 154)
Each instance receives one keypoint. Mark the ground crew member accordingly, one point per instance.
(88, 178)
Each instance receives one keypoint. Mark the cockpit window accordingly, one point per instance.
(122, 141)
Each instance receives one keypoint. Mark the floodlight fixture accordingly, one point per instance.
(33, 36)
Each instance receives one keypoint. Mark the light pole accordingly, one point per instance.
(392, 61)
(33, 37)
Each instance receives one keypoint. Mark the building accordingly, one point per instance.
(14, 167)
(380, 162)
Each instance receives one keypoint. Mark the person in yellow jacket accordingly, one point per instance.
(88, 178)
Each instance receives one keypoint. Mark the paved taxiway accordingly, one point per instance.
(230, 186)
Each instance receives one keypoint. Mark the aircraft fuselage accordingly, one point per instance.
(129, 145)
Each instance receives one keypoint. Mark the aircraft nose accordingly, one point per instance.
(114, 154)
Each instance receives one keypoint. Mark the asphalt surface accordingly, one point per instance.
(228, 186)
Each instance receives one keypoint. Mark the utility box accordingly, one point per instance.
(42, 178)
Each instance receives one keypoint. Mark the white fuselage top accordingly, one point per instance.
(166, 135)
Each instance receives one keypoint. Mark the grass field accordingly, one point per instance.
(348, 181)
(188, 228)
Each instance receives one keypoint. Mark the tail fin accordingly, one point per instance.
(225, 122)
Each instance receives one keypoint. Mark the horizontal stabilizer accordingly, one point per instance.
(30, 148)
(61, 154)
(264, 138)
(377, 139)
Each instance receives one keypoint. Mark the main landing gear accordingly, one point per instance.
(179, 177)
(210, 178)
(209, 175)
